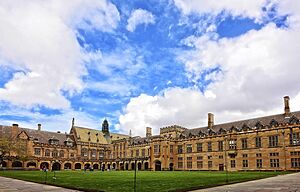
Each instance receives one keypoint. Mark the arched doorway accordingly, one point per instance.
(108, 166)
(126, 166)
(103, 167)
(157, 165)
(114, 166)
(4, 164)
(132, 166)
(95, 166)
(146, 166)
(56, 166)
(67, 166)
(17, 164)
(87, 166)
(171, 167)
(44, 165)
(121, 166)
(31, 165)
(78, 166)
(139, 166)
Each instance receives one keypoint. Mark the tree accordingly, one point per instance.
(12, 149)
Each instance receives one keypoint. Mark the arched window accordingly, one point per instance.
(61, 153)
(47, 153)
(93, 153)
(84, 152)
(54, 153)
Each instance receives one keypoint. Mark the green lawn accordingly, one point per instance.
(146, 181)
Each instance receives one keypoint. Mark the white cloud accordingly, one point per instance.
(40, 38)
(58, 122)
(258, 69)
(244, 8)
(139, 16)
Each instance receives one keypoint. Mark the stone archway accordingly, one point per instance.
(103, 167)
(17, 164)
(157, 165)
(114, 166)
(67, 166)
(171, 166)
(95, 166)
(78, 166)
(108, 166)
(132, 166)
(139, 166)
(122, 166)
(146, 166)
(87, 166)
(44, 165)
(56, 166)
(31, 165)
(126, 166)
(4, 164)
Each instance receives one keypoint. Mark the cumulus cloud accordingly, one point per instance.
(39, 37)
(55, 122)
(244, 8)
(257, 70)
(138, 17)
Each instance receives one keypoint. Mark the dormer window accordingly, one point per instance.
(53, 141)
(69, 142)
(35, 140)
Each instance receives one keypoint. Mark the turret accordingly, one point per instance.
(105, 127)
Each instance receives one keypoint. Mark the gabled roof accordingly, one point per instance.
(40, 136)
(44, 136)
(84, 134)
(248, 123)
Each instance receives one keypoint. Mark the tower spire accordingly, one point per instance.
(105, 127)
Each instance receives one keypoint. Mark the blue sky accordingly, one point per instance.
(144, 63)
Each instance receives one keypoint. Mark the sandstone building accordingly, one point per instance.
(264, 143)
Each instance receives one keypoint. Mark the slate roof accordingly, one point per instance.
(44, 136)
(248, 123)
(41, 136)
(96, 136)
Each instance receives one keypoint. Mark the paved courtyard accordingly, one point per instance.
(11, 185)
(282, 183)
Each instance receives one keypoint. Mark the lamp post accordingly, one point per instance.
(226, 168)
(282, 131)
(134, 186)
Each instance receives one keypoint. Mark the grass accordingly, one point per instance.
(146, 181)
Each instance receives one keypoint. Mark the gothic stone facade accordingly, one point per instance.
(264, 143)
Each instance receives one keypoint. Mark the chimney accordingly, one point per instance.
(15, 130)
(39, 127)
(148, 132)
(287, 106)
(210, 120)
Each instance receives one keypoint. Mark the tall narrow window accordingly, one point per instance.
(220, 145)
(199, 147)
(273, 141)
(156, 149)
(296, 139)
(244, 143)
(209, 147)
(180, 151)
(232, 144)
(258, 142)
(259, 163)
(37, 151)
(189, 148)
